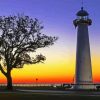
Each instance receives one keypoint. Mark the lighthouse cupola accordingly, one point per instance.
(82, 18)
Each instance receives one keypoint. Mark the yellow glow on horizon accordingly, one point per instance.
(59, 67)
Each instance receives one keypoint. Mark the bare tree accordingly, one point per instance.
(20, 36)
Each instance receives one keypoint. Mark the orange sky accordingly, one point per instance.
(56, 69)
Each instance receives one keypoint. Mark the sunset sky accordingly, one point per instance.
(57, 18)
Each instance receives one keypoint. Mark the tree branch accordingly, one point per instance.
(2, 70)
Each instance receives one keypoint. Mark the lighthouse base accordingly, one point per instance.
(84, 87)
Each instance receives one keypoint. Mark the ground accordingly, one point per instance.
(32, 96)
(21, 93)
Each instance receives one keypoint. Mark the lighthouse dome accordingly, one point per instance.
(82, 12)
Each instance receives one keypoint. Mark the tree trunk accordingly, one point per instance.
(9, 80)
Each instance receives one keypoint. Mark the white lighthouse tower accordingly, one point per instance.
(83, 74)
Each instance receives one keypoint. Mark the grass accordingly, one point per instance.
(34, 88)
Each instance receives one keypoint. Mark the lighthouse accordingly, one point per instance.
(83, 72)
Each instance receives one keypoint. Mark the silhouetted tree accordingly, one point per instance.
(20, 36)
